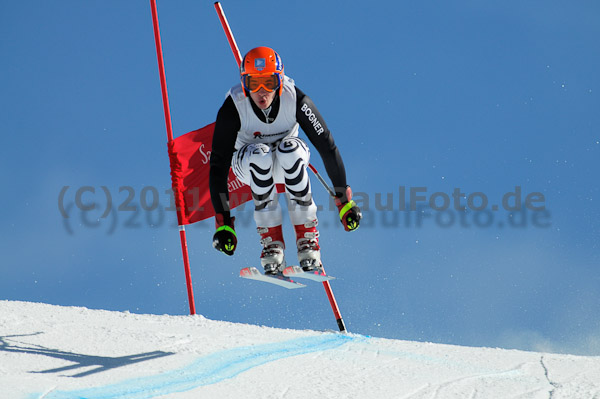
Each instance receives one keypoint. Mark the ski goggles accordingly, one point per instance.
(254, 83)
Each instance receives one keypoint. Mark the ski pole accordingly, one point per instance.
(323, 182)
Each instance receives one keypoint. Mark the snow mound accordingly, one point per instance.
(54, 352)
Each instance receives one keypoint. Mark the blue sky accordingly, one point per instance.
(480, 96)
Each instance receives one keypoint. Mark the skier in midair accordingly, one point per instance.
(256, 133)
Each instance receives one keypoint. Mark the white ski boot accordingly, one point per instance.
(307, 241)
(272, 256)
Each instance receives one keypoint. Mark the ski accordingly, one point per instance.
(252, 273)
(315, 275)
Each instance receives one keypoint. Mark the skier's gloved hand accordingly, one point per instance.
(350, 213)
(225, 239)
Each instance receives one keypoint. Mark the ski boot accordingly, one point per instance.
(307, 241)
(272, 257)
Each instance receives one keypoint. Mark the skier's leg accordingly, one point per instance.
(293, 157)
(253, 165)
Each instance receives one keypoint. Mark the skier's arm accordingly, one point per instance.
(223, 146)
(313, 124)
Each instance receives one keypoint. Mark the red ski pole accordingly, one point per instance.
(238, 59)
(165, 99)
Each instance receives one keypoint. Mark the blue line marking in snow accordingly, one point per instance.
(207, 370)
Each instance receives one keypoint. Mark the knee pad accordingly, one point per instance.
(290, 150)
(260, 155)
(257, 162)
(257, 157)
(293, 156)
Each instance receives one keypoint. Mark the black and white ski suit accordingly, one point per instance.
(263, 148)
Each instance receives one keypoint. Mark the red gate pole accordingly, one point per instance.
(165, 99)
(238, 58)
(229, 34)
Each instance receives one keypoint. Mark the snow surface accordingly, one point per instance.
(54, 352)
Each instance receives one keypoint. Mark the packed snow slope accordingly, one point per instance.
(54, 352)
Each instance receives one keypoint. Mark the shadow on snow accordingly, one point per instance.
(81, 361)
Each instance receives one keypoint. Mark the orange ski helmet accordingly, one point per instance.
(262, 67)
